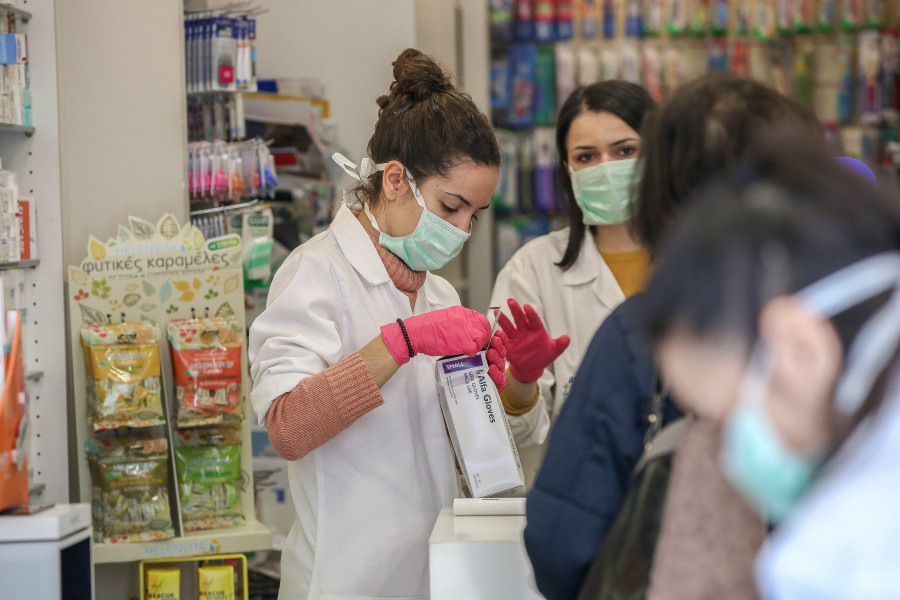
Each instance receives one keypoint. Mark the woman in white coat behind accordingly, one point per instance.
(570, 280)
(342, 357)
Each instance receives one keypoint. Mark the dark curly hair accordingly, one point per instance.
(427, 124)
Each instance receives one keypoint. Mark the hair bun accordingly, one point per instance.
(418, 76)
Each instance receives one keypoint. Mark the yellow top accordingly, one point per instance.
(630, 269)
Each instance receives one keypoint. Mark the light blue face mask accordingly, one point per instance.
(603, 192)
(770, 475)
(432, 244)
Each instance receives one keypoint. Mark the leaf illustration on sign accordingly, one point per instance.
(149, 290)
(131, 287)
(168, 227)
(165, 292)
(187, 294)
(198, 239)
(123, 234)
(232, 283)
(96, 249)
(91, 315)
(131, 299)
(235, 259)
(148, 306)
(141, 228)
(196, 283)
(77, 276)
(225, 310)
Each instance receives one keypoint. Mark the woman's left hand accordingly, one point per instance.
(496, 355)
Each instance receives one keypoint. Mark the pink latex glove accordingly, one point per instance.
(530, 348)
(445, 332)
(496, 356)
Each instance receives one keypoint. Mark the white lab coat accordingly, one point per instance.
(573, 302)
(842, 542)
(366, 500)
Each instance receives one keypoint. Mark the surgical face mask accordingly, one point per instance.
(770, 475)
(603, 192)
(432, 244)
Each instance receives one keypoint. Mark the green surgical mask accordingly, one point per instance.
(603, 192)
(431, 245)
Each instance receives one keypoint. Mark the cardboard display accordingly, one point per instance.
(13, 432)
(156, 273)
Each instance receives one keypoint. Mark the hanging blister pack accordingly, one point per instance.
(257, 233)
(652, 18)
(826, 15)
(590, 19)
(477, 425)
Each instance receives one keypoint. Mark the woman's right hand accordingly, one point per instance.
(445, 332)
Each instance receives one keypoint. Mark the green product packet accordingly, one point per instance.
(208, 463)
(545, 77)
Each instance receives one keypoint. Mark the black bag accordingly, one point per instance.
(623, 565)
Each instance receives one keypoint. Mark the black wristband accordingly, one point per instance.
(412, 352)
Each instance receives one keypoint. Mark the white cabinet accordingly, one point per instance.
(47, 555)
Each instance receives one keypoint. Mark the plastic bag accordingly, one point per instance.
(130, 500)
(208, 462)
(123, 377)
(206, 357)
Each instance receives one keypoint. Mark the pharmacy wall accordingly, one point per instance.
(122, 115)
(330, 41)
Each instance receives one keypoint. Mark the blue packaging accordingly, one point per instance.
(544, 183)
(501, 90)
(501, 19)
(523, 60)
(523, 28)
(7, 49)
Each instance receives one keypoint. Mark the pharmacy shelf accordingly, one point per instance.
(217, 92)
(10, 128)
(252, 537)
(19, 264)
(224, 208)
(25, 15)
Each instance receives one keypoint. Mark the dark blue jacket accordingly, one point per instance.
(594, 446)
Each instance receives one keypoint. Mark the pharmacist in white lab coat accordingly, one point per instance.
(343, 356)
(572, 279)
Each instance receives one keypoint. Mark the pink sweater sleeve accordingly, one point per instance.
(321, 406)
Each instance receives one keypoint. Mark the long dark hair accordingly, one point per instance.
(427, 124)
(782, 218)
(629, 102)
(703, 128)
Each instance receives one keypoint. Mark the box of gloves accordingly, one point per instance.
(480, 435)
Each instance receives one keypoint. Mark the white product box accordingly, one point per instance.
(481, 437)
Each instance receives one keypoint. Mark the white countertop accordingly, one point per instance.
(479, 558)
(450, 528)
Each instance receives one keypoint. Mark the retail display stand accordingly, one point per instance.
(157, 273)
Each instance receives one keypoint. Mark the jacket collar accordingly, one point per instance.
(351, 236)
(590, 268)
